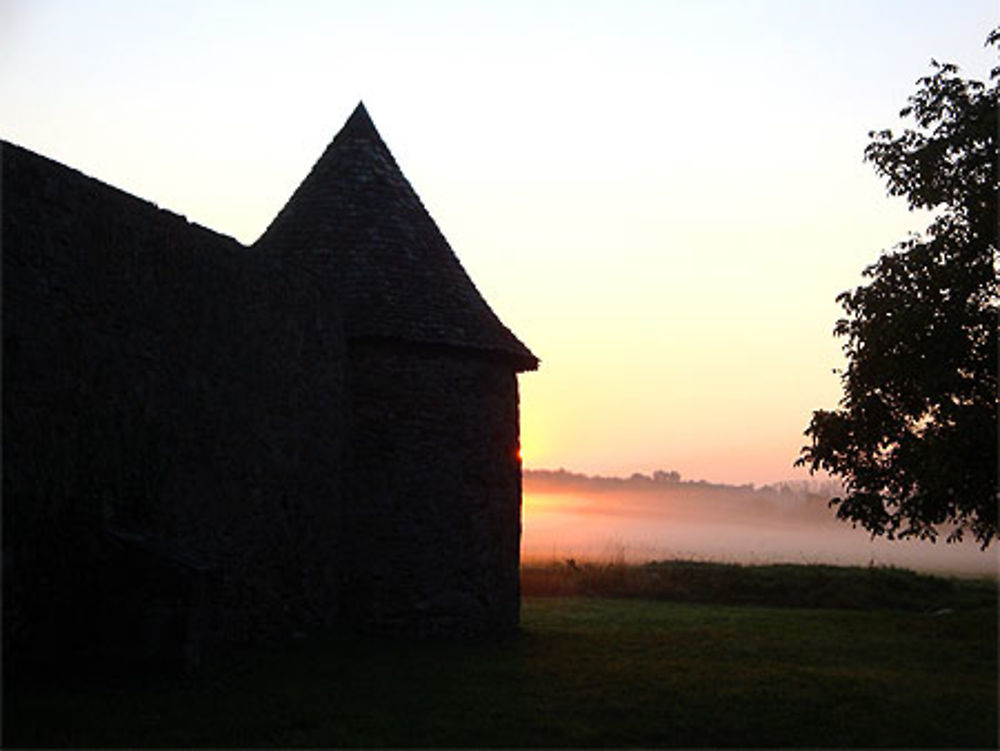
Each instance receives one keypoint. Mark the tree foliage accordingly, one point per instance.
(914, 438)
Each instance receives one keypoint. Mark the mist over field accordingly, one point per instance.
(662, 516)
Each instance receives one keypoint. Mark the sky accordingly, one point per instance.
(661, 199)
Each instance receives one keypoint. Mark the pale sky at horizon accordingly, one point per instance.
(661, 199)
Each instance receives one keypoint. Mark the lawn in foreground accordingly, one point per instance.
(584, 672)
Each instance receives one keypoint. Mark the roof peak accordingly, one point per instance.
(397, 276)
(359, 123)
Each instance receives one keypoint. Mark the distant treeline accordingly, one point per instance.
(561, 481)
(666, 493)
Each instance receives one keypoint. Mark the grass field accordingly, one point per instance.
(585, 671)
(778, 584)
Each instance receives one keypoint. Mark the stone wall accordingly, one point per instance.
(432, 491)
(167, 395)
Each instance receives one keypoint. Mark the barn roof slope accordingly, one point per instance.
(398, 276)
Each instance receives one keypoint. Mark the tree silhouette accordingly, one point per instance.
(915, 435)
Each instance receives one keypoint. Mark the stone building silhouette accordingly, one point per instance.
(206, 444)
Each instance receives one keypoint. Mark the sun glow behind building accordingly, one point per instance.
(662, 198)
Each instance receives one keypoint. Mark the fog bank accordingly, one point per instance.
(661, 517)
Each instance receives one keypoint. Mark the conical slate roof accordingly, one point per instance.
(398, 276)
